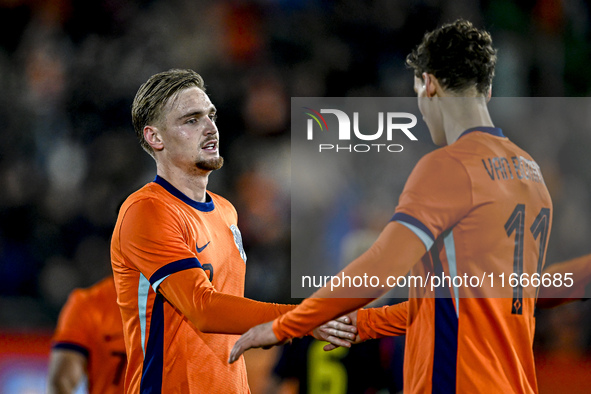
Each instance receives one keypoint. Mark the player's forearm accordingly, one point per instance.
(214, 312)
(329, 303)
(373, 323)
(312, 313)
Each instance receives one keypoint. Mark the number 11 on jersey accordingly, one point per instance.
(539, 229)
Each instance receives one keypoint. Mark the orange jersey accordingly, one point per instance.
(479, 206)
(90, 323)
(179, 269)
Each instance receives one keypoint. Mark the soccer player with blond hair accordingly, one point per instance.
(177, 253)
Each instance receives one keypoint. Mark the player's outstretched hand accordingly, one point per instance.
(258, 336)
(339, 332)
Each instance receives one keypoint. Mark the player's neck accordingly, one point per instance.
(462, 114)
(193, 184)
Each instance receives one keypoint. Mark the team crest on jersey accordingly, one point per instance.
(238, 241)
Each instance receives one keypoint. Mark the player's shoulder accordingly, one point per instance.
(104, 288)
(218, 199)
(150, 199)
(437, 160)
(79, 296)
(471, 147)
(98, 291)
(156, 201)
(221, 202)
(80, 301)
(474, 143)
(149, 192)
(482, 143)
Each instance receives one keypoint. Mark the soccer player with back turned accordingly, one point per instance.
(456, 215)
(177, 254)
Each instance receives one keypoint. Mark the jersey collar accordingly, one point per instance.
(206, 206)
(497, 132)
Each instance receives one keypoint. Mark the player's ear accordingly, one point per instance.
(153, 138)
(431, 84)
(489, 94)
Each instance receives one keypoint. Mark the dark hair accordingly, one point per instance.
(154, 94)
(458, 55)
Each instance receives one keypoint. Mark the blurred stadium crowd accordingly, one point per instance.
(69, 70)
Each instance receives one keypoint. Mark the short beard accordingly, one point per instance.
(211, 164)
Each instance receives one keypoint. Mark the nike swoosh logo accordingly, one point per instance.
(200, 249)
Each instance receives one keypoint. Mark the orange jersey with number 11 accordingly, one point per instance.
(90, 323)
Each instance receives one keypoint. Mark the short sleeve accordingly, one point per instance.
(436, 196)
(74, 328)
(155, 240)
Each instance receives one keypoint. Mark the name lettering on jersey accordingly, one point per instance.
(392, 121)
(517, 167)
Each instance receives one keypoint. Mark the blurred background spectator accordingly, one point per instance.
(69, 70)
